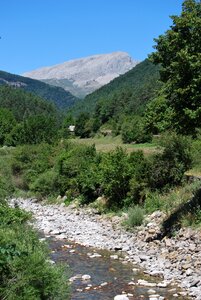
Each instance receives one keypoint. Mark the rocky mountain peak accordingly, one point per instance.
(85, 75)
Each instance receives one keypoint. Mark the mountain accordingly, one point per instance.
(57, 95)
(127, 94)
(85, 75)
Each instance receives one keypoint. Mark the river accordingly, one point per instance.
(109, 276)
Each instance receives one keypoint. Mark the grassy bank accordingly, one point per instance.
(109, 143)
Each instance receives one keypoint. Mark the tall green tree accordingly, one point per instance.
(179, 53)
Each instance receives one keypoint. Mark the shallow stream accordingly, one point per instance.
(109, 276)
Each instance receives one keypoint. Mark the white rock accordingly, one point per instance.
(121, 297)
(86, 277)
(154, 297)
(95, 255)
(114, 256)
(146, 283)
(151, 292)
(104, 284)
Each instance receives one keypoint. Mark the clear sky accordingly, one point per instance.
(36, 33)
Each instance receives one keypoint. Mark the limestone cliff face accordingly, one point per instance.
(85, 75)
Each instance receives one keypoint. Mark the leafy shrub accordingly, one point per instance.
(135, 216)
(158, 115)
(10, 216)
(115, 176)
(29, 161)
(133, 131)
(44, 184)
(168, 168)
(25, 272)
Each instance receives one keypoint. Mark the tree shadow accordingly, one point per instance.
(173, 222)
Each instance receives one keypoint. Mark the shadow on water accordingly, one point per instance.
(109, 277)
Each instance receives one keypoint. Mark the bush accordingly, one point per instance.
(44, 185)
(168, 168)
(115, 176)
(25, 272)
(135, 216)
(133, 131)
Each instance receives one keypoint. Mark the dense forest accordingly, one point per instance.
(61, 98)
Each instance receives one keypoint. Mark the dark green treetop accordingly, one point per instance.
(179, 53)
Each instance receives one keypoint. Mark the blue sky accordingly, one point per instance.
(36, 33)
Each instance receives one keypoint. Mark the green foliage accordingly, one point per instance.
(10, 216)
(168, 168)
(132, 130)
(34, 130)
(135, 216)
(61, 98)
(68, 121)
(158, 116)
(6, 182)
(196, 150)
(78, 172)
(82, 125)
(30, 161)
(178, 52)
(7, 122)
(25, 272)
(26, 118)
(23, 104)
(113, 103)
(45, 184)
(115, 176)
(153, 202)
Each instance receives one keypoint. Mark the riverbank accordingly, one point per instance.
(176, 260)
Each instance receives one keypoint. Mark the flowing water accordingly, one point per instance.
(109, 276)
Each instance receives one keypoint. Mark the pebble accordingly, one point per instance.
(121, 297)
(86, 277)
(114, 257)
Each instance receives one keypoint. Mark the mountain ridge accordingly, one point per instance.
(85, 75)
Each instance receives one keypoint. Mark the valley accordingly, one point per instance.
(100, 158)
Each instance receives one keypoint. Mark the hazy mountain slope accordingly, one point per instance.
(61, 98)
(128, 93)
(85, 75)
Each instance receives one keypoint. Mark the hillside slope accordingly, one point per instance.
(61, 98)
(129, 93)
(23, 104)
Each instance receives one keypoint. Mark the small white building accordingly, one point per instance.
(71, 128)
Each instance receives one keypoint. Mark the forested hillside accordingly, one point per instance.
(134, 89)
(23, 104)
(57, 95)
(26, 118)
(119, 105)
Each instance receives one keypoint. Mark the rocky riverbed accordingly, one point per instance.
(176, 260)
